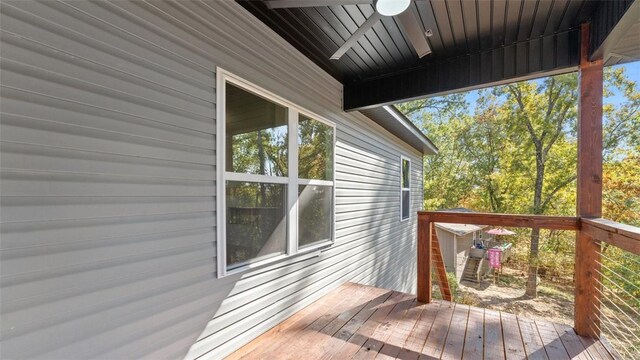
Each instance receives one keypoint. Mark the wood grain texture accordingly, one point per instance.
(552, 344)
(493, 340)
(589, 189)
(571, 342)
(590, 82)
(434, 344)
(505, 220)
(624, 236)
(513, 346)
(362, 322)
(424, 259)
(533, 344)
(454, 345)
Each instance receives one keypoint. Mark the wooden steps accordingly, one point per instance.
(438, 265)
(471, 267)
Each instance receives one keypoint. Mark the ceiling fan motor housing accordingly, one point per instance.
(391, 7)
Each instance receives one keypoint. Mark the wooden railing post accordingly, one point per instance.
(589, 190)
(424, 258)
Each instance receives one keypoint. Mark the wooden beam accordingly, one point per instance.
(625, 237)
(589, 133)
(424, 259)
(505, 220)
(589, 191)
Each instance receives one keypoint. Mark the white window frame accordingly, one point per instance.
(292, 181)
(403, 189)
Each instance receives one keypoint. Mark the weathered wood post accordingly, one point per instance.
(424, 258)
(589, 191)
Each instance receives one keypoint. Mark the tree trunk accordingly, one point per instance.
(532, 280)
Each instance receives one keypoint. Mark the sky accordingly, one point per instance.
(632, 71)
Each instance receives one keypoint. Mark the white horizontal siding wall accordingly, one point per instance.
(108, 237)
(448, 248)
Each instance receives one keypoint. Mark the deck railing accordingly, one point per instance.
(617, 294)
(606, 292)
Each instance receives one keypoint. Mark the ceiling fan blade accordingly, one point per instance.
(368, 24)
(279, 4)
(412, 28)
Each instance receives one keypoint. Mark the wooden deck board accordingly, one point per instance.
(287, 329)
(474, 338)
(314, 334)
(363, 322)
(493, 340)
(513, 345)
(435, 341)
(380, 336)
(454, 344)
(355, 342)
(413, 346)
(336, 342)
(595, 348)
(532, 341)
(399, 336)
(571, 342)
(314, 341)
(552, 343)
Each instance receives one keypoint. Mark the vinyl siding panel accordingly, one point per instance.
(107, 138)
(447, 247)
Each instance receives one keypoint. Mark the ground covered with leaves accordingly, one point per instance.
(553, 303)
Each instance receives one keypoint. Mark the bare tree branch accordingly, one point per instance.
(558, 132)
(518, 95)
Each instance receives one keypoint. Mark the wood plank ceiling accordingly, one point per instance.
(460, 27)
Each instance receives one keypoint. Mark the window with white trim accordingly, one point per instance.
(405, 188)
(277, 195)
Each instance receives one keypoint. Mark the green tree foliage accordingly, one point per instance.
(516, 153)
(315, 150)
(448, 179)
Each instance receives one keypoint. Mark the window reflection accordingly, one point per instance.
(256, 134)
(315, 209)
(315, 149)
(256, 221)
(406, 204)
(405, 174)
(405, 192)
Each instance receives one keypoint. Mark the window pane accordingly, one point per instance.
(256, 221)
(405, 173)
(315, 205)
(256, 134)
(315, 149)
(406, 204)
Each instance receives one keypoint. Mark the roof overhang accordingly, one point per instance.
(616, 42)
(396, 123)
(554, 54)
(475, 44)
(460, 229)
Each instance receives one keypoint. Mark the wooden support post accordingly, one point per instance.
(424, 259)
(589, 191)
